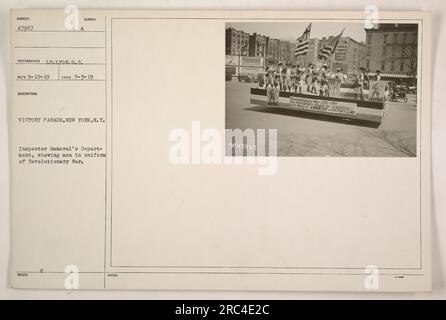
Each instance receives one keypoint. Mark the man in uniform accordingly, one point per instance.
(361, 79)
(339, 80)
(376, 87)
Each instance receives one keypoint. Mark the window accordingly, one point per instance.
(367, 64)
(369, 38)
(340, 56)
(385, 38)
(395, 38)
(392, 66)
(402, 66)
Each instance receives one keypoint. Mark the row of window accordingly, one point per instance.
(393, 51)
(391, 67)
(392, 37)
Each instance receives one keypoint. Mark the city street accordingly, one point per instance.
(300, 134)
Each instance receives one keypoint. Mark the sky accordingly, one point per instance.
(292, 30)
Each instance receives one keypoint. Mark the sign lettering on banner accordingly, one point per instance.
(326, 106)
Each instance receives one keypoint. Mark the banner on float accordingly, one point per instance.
(323, 106)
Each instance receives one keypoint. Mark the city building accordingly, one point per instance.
(237, 42)
(272, 51)
(392, 48)
(349, 54)
(257, 45)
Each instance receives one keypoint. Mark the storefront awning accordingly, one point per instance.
(399, 75)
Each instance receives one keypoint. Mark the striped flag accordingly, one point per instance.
(330, 47)
(302, 42)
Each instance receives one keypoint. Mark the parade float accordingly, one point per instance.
(368, 110)
(362, 100)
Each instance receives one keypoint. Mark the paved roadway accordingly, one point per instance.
(305, 136)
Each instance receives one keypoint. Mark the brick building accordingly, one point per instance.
(257, 45)
(237, 42)
(392, 48)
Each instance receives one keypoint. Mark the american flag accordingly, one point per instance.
(302, 42)
(330, 47)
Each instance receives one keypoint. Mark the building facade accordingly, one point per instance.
(257, 45)
(350, 55)
(237, 42)
(272, 51)
(392, 48)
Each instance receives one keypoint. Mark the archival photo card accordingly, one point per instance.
(134, 165)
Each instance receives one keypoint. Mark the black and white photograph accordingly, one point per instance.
(340, 89)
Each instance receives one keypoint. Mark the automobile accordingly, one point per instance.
(397, 94)
(412, 89)
(248, 78)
